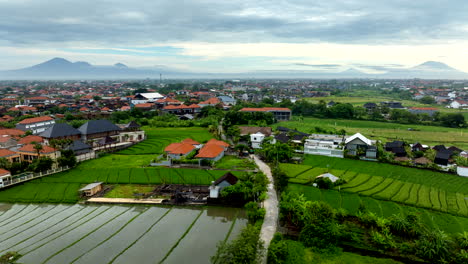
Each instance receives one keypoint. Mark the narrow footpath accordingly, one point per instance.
(270, 222)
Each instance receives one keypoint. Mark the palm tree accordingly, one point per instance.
(38, 147)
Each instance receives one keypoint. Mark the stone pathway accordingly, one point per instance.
(124, 200)
(270, 222)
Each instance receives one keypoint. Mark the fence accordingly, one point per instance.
(15, 179)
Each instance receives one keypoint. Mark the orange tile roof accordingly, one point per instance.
(194, 106)
(6, 153)
(30, 148)
(105, 109)
(424, 108)
(264, 109)
(125, 107)
(36, 120)
(145, 105)
(11, 132)
(30, 138)
(190, 141)
(84, 109)
(179, 148)
(217, 143)
(37, 98)
(210, 151)
(212, 100)
(5, 138)
(4, 172)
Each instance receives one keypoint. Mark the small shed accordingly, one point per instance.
(226, 180)
(91, 189)
(329, 176)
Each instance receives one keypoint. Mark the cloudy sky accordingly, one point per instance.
(236, 35)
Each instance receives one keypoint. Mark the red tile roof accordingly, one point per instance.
(425, 108)
(36, 120)
(145, 105)
(7, 153)
(265, 109)
(212, 101)
(217, 143)
(37, 98)
(11, 132)
(4, 172)
(190, 141)
(30, 148)
(4, 138)
(179, 148)
(29, 139)
(210, 151)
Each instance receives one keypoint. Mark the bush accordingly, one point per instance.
(433, 246)
(254, 212)
(246, 248)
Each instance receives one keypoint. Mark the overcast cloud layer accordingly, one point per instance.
(144, 33)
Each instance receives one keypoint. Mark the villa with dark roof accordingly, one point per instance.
(60, 131)
(95, 130)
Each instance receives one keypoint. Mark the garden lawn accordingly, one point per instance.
(128, 190)
(430, 135)
(235, 163)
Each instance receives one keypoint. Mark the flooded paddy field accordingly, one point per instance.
(45, 233)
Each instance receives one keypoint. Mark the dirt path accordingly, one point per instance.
(271, 206)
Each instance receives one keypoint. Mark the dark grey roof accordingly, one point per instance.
(60, 130)
(229, 177)
(78, 145)
(132, 124)
(98, 126)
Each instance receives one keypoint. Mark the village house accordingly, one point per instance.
(280, 114)
(325, 145)
(142, 98)
(30, 140)
(179, 150)
(60, 131)
(81, 150)
(96, 130)
(5, 177)
(226, 180)
(357, 145)
(423, 110)
(29, 153)
(36, 124)
(459, 104)
(7, 141)
(9, 101)
(10, 155)
(91, 189)
(227, 100)
(38, 100)
(210, 102)
(396, 147)
(131, 132)
(210, 152)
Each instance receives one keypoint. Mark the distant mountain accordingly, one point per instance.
(60, 68)
(427, 70)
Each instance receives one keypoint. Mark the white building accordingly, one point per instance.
(257, 140)
(325, 145)
(143, 98)
(459, 104)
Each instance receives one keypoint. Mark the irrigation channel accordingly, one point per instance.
(46, 233)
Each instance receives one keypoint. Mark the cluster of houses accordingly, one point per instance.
(355, 145)
(213, 150)
(21, 143)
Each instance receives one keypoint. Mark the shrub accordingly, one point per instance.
(434, 246)
(254, 212)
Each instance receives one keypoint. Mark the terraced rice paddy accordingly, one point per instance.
(352, 201)
(115, 234)
(416, 187)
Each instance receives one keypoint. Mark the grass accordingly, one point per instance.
(360, 100)
(124, 167)
(344, 258)
(430, 135)
(232, 162)
(416, 187)
(352, 201)
(128, 190)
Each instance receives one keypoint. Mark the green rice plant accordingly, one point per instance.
(452, 205)
(350, 202)
(424, 199)
(461, 202)
(357, 181)
(389, 208)
(372, 183)
(435, 201)
(332, 197)
(292, 170)
(372, 205)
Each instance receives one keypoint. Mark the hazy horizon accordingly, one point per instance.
(236, 36)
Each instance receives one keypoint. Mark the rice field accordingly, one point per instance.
(352, 201)
(416, 187)
(115, 234)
